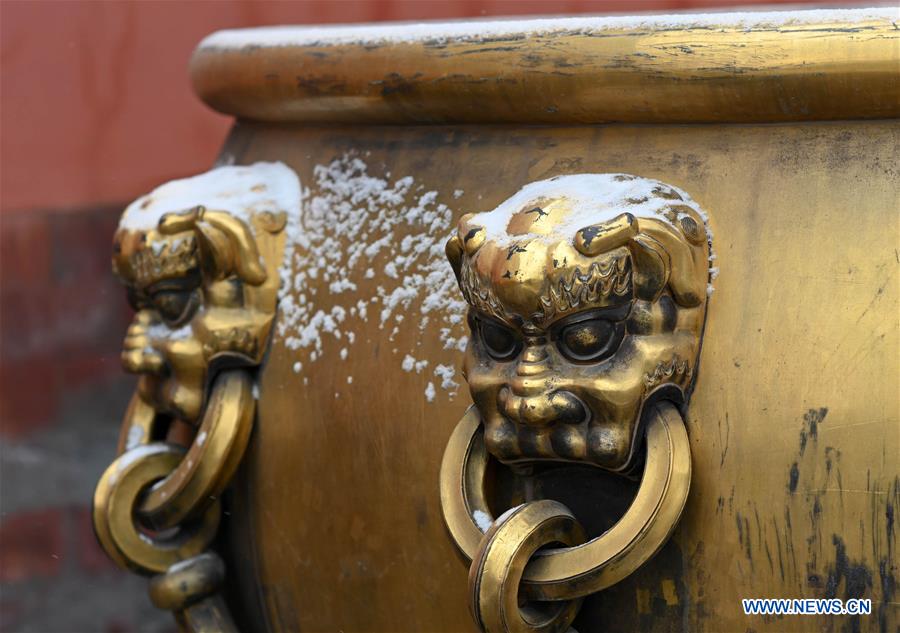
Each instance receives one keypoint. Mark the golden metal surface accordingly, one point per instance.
(587, 298)
(208, 466)
(190, 589)
(209, 615)
(462, 483)
(187, 581)
(803, 319)
(203, 270)
(794, 427)
(500, 561)
(692, 73)
(137, 424)
(578, 321)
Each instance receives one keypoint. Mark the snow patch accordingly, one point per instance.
(135, 437)
(482, 520)
(350, 224)
(242, 191)
(594, 198)
(160, 330)
(432, 33)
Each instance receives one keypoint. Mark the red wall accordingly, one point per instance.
(96, 103)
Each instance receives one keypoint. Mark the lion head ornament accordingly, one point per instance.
(587, 297)
(197, 258)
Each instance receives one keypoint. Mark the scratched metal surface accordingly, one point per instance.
(335, 522)
(722, 70)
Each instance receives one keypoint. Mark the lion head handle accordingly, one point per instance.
(587, 296)
(198, 257)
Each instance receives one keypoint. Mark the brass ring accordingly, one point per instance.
(212, 458)
(188, 582)
(115, 499)
(571, 572)
(463, 498)
(497, 569)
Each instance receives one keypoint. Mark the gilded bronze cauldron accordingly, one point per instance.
(603, 310)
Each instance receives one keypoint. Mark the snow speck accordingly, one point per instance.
(482, 520)
(430, 392)
(411, 364)
(135, 435)
(446, 374)
(352, 223)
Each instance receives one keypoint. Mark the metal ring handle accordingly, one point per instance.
(496, 571)
(572, 572)
(115, 499)
(211, 459)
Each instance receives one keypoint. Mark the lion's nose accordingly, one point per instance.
(138, 356)
(556, 407)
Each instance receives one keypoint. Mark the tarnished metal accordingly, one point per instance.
(203, 285)
(500, 562)
(744, 68)
(567, 573)
(333, 520)
(587, 299)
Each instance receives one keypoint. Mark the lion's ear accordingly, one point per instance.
(454, 251)
(687, 267)
(466, 242)
(227, 245)
(172, 223)
(245, 259)
(661, 256)
(650, 267)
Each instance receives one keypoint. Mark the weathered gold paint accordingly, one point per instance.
(798, 72)
(338, 525)
(334, 518)
(206, 273)
(640, 279)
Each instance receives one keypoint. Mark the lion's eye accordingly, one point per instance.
(135, 300)
(173, 305)
(590, 341)
(501, 343)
